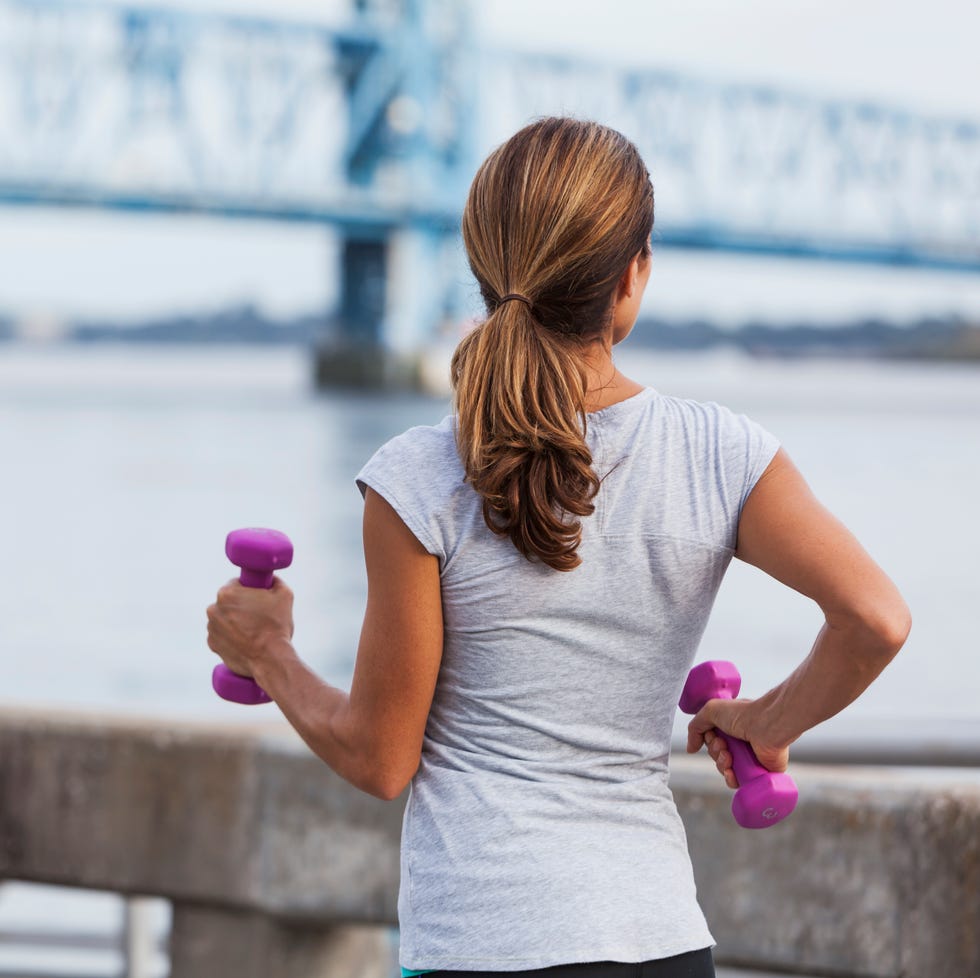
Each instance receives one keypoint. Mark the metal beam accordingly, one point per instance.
(368, 219)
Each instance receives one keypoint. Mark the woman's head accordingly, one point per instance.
(555, 216)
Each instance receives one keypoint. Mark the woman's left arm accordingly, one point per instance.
(371, 736)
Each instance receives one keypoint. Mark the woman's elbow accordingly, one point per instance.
(880, 627)
(894, 627)
(891, 620)
(372, 764)
(385, 779)
(387, 788)
(897, 629)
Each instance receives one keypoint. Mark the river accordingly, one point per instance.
(126, 465)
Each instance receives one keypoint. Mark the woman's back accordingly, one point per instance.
(553, 711)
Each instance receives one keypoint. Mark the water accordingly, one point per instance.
(123, 468)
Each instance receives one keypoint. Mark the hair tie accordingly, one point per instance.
(518, 297)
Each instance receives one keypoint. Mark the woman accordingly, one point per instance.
(540, 570)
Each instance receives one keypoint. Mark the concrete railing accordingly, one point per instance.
(274, 866)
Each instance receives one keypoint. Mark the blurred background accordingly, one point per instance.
(230, 269)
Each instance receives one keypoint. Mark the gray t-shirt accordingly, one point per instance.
(539, 828)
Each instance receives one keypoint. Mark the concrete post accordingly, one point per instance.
(139, 952)
(216, 942)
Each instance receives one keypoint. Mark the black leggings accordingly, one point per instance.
(693, 964)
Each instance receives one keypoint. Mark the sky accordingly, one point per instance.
(915, 55)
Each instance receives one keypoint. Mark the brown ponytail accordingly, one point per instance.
(553, 219)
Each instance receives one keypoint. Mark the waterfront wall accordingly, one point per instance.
(275, 866)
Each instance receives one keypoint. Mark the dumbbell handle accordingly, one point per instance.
(256, 578)
(744, 762)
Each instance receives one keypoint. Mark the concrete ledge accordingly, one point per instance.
(242, 817)
(877, 874)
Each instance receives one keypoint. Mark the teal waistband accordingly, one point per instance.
(410, 974)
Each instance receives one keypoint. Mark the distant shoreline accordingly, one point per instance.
(934, 339)
(928, 339)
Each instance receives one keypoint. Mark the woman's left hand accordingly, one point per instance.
(246, 624)
(717, 720)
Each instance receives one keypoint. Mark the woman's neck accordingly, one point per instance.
(605, 385)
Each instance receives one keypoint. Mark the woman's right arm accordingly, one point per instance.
(786, 532)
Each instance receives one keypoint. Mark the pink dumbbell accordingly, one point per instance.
(763, 797)
(259, 553)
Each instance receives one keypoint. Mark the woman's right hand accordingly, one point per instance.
(718, 719)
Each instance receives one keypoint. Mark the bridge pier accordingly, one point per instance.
(399, 299)
(354, 355)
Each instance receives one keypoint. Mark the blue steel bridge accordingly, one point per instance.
(373, 126)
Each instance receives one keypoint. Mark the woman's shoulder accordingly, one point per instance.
(695, 419)
(694, 409)
(418, 460)
(705, 433)
(433, 443)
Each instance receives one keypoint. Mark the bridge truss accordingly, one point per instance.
(374, 125)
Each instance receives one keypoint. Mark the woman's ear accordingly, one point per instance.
(627, 284)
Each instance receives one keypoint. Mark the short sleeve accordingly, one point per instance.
(747, 449)
(407, 472)
(742, 451)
